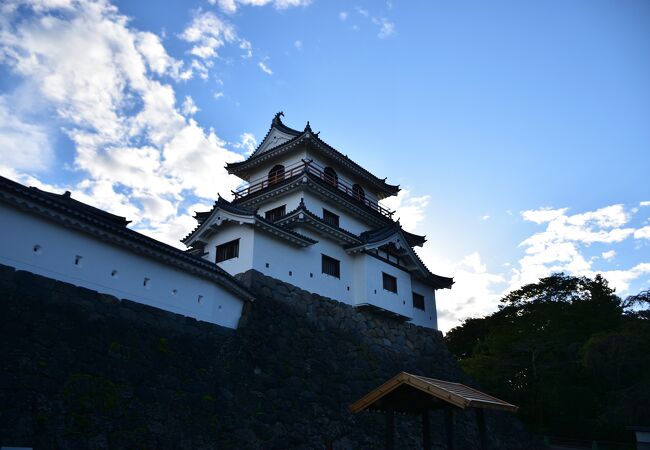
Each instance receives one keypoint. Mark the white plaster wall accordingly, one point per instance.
(400, 302)
(227, 232)
(28, 242)
(291, 199)
(304, 263)
(428, 317)
(346, 220)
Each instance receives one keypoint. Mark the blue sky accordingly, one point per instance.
(518, 130)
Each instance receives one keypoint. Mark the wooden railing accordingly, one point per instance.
(309, 166)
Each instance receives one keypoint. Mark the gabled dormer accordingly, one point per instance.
(283, 146)
(277, 135)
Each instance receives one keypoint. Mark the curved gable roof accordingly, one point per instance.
(267, 151)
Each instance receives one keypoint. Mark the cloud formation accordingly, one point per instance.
(231, 6)
(141, 153)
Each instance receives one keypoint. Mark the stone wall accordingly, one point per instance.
(85, 370)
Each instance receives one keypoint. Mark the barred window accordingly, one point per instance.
(275, 213)
(331, 266)
(229, 250)
(330, 217)
(418, 301)
(390, 282)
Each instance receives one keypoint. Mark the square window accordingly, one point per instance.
(390, 282)
(418, 301)
(330, 217)
(229, 250)
(331, 266)
(274, 214)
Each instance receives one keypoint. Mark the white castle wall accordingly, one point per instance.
(428, 317)
(361, 279)
(29, 242)
(304, 263)
(315, 204)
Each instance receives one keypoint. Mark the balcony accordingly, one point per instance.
(310, 167)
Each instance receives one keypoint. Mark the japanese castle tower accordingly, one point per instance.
(310, 216)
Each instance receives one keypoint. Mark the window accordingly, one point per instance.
(390, 282)
(418, 301)
(229, 250)
(331, 266)
(275, 213)
(358, 193)
(330, 176)
(276, 174)
(330, 217)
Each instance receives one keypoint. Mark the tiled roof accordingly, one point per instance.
(225, 205)
(307, 134)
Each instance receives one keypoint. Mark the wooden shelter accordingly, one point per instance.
(413, 394)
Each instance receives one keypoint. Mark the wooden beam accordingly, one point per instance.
(390, 429)
(449, 427)
(482, 434)
(426, 431)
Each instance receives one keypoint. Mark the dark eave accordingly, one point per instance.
(425, 275)
(110, 228)
(302, 216)
(318, 185)
(308, 137)
(259, 222)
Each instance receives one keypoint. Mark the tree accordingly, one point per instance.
(555, 348)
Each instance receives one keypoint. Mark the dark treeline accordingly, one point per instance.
(573, 355)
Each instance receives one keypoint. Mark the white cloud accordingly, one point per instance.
(230, 6)
(559, 248)
(140, 152)
(475, 293)
(247, 142)
(608, 255)
(386, 27)
(266, 69)
(642, 233)
(410, 210)
(298, 45)
(343, 16)
(646, 203)
(208, 33)
(189, 108)
(484, 217)
(23, 145)
(218, 95)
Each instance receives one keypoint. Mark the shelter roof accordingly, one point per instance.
(61, 208)
(413, 394)
(265, 152)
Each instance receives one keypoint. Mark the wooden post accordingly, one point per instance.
(426, 431)
(449, 425)
(482, 434)
(390, 429)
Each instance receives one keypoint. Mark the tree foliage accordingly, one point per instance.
(568, 351)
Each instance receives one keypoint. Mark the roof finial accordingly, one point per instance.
(276, 118)
(308, 127)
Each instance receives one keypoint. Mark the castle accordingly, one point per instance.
(307, 215)
(311, 216)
